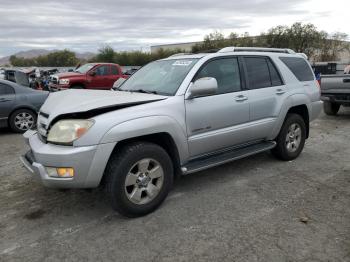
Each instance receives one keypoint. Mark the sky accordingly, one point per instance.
(86, 25)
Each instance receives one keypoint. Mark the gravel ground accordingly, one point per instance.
(256, 209)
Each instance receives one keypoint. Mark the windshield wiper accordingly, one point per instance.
(143, 91)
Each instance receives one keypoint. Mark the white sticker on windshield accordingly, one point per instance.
(182, 63)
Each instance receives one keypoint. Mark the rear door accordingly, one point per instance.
(266, 94)
(218, 121)
(7, 100)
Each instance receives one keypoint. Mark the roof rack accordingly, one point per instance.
(180, 54)
(256, 49)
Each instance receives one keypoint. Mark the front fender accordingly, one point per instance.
(148, 126)
(291, 101)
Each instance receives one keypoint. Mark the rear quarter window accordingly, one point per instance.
(299, 67)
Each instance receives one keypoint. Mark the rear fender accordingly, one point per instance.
(291, 101)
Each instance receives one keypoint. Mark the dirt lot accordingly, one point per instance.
(256, 209)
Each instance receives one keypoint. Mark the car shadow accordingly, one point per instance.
(5, 131)
(61, 204)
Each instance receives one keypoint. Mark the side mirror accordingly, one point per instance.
(92, 73)
(203, 87)
(118, 83)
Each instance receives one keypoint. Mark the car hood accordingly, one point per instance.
(92, 102)
(69, 75)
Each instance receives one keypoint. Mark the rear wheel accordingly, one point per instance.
(291, 139)
(138, 178)
(21, 120)
(330, 108)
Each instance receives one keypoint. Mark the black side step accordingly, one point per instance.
(225, 157)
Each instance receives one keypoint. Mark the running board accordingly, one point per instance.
(225, 157)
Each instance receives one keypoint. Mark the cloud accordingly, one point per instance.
(85, 25)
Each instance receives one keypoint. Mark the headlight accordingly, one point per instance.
(64, 81)
(66, 131)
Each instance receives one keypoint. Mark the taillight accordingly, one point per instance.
(318, 81)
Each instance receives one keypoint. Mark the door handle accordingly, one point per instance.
(280, 91)
(346, 80)
(4, 100)
(241, 98)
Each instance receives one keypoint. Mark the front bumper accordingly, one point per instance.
(88, 162)
(57, 87)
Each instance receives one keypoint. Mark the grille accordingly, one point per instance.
(54, 80)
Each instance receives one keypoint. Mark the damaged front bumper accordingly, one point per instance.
(88, 162)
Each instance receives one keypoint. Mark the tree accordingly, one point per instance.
(302, 38)
(333, 45)
(54, 59)
(106, 54)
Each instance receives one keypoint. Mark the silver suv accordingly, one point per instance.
(174, 116)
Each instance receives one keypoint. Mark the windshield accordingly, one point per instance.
(162, 77)
(84, 68)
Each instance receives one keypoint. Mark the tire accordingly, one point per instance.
(22, 119)
(330, 108)
(291, 139)
(132, 187)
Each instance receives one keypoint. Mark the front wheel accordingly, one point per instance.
(138, 178)
(291, 139)
(21, 120)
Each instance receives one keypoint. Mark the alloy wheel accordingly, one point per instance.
(24, 121)
(293, 137)
(144, 181)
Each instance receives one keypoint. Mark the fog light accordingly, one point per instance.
(64, 172)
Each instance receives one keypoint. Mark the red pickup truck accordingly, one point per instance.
(89, 76)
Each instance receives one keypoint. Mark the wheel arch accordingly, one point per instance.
(162, 139)
(298, 104)
(303, 111)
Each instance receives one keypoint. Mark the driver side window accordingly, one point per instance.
(102, 70)
(226, 73)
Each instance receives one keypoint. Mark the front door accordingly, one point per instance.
(101, 78)
(7, 99)
(218, 121)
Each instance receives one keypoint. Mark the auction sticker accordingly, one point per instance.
(182, 63)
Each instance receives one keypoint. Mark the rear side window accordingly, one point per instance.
(299, 68)
(6, 90)
(261, 73)
(275, 76)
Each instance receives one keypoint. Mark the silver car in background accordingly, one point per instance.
(19, 106)
(174, 116)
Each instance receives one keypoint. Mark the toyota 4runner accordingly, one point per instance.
(174, 116)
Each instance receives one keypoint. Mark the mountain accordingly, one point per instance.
(37, 52)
